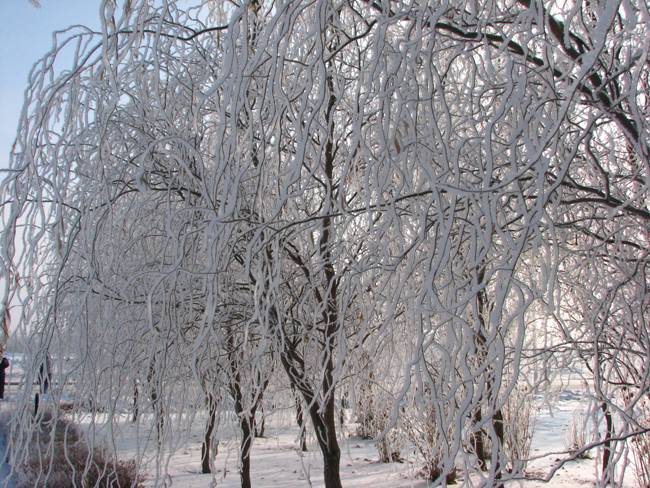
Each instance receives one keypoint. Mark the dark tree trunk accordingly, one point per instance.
(2, 383)
(332, 470)
(247, 426)
(246, 422)
(207, 438)
(325, 426)
(327, 436)
(245, 406)
(300, 418)
(136, 410)
(303, 434)
(261, 427)
(324, 420)
(497, 423)
(245, 451)
(478, 439)
(321, 406)
(155, 401)
(607, 446)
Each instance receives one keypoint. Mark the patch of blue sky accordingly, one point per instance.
(26, 34)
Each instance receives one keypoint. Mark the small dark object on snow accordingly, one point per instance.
(4, 364)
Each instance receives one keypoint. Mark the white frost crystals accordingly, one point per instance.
(411, 211)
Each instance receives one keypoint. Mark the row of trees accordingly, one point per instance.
(416, 209)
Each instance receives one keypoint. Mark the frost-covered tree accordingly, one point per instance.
(215, 191)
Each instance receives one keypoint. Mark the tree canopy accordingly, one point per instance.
(216, 197)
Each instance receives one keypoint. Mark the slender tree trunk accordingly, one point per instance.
(247, 426)
(327, 439)
(207, 438)
(300, 419)
(261, 426)
(155, 401)
(245, 451)
(607, 446)
(246, 421)
(478, 439)
(497, 423)
(136, 410)
(323, 419)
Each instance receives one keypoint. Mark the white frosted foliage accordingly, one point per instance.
(411, 217)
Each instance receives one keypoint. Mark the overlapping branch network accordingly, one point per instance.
(318, 194)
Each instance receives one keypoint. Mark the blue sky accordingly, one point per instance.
(25, 35)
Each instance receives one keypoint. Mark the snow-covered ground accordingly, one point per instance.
(5, 469)
(550, 441)
(277, 462)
